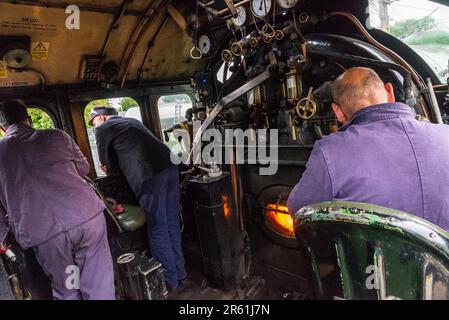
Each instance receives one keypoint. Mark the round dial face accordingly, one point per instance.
(205, 44)
(241, 17)
(287, 4)
(261, 8)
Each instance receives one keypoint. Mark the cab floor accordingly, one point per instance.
(194, 288)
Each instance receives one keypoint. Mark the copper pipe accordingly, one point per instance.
(226, 10)
(393, 55)
(441, 86)
(390, 53)
(137, 36)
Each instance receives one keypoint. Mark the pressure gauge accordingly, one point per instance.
(287, 4)
(206, 44)
(240, 20)
(261, 8)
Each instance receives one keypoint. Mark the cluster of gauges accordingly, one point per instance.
(258, 8)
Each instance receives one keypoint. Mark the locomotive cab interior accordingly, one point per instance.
(181, 67)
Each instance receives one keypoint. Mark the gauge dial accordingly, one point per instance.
(240, 20)
(287, 4)
(205, 44)
(261, 8)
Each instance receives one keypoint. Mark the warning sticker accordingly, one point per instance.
(39, 50)
(3, 71)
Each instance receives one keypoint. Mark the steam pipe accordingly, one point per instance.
(435, 108)
(393, 55)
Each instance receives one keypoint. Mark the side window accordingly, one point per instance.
(40, 119)
(421, 24)
(172, 111)
(126, 107)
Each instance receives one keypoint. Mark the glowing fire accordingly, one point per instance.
(226, 206)
(280, 218)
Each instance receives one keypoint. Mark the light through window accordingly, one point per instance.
(422, 25)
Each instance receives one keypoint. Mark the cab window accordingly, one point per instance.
(172, 111)
(41, 120)
(126, 107)
(421, 24)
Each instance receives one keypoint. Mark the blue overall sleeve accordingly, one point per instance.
(314, 186)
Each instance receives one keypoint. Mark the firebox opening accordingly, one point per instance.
(279, 219)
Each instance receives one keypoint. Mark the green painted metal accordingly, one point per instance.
(408, 255)
(133, 218)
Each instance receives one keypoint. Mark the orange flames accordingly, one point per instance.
(226, 207)
(280, 219)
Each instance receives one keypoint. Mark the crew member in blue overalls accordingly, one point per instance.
(48, 206)
(126, 145)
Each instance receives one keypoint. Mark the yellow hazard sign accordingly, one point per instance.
(39, 50)
(3, 71)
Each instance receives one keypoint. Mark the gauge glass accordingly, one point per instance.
(261, 8)
(241, 17)
(205, 44)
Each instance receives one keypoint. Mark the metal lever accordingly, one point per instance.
(233, 96)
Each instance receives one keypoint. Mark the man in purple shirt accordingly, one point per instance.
(382, 155)
(49, 207)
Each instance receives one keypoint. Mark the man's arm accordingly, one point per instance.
(315, 185)
(104, 146)
(4, 223)
(81, 163)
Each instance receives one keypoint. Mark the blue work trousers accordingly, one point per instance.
(160, 198)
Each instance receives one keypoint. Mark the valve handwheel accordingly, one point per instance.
(306, 108)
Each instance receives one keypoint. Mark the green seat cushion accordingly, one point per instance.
(133, 218)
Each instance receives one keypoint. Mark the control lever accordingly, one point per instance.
(271, 69)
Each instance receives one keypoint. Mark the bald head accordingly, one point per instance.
(358, 88)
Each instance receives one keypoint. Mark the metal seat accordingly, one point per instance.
(362, 251)
(131, 219)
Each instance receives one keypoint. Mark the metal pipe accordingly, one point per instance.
(114, 25)
(226, 10)
(137, 34)
(344, 57)
(390, 53)
(435, 107)
(151, 44)
(393, 55)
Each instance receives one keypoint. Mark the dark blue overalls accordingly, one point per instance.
(126, 145)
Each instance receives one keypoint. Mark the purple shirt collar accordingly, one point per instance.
(19, 129)
(380, 112)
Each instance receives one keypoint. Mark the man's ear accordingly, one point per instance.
(339, 113)
(390, 92)
(30, 121)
